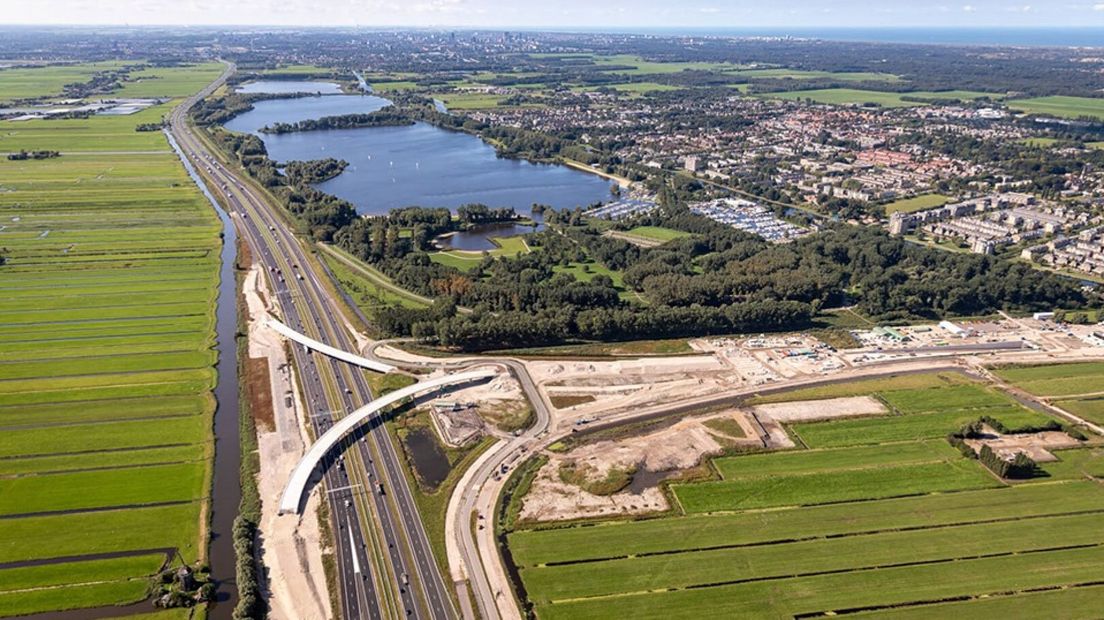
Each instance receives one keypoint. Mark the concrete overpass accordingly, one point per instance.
(300, 476)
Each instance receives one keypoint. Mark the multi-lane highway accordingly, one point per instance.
(474, 557)
(384, 559)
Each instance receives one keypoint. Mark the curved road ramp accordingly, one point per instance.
(326, 349)
(297, 484)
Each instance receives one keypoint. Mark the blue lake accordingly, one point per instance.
(302, 109)
(420, 164)
(281, 87)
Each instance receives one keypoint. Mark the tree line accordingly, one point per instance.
(379, 118)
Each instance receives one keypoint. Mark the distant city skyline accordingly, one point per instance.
(564, 14)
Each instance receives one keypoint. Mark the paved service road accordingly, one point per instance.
(474, 557)
(384, 561)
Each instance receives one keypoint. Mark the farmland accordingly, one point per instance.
(106, 358)
(851, 96)
(847, 96)
(1061, 106)
(28, 82)
(170, 81)
(1056, 380)
(809, 488)
(801, 532)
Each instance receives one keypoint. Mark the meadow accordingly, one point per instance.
(106, 354)
(170, 81)
(880, 515)
(906, 428)
(916, 203)
(1057, 379)
(658, 233)
(1092, 409)
(825, 593)
(810, 488)
(1061, 106)
(465, 260)
(798, 74)
(852, 96)
(846, 96)
(45, 81)
(93, 137)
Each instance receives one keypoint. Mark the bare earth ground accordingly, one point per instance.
(486, 405)
(291, 546)
(679, 446)
(805, 410)
(1038, 446)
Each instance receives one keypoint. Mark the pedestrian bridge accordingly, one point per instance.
(300, 476)
(326, 349)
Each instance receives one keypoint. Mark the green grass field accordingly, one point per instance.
(466, 260)
(92, 136)
(869, 431)
(471, 100)
(895, 586)
(847, 96)
(798, 74)
(842, 459)
(932, 400)
(866, 386)
(851, 96)
(367, 287)
(392, 87)
(807, 489)
(170, 81)
(658, 233)
(639, 66)
(882, 515)
(106, 360)
(917, 203)
(682, 570)
(45, 81)
(617, 539)
(1061, 106)
(1057, 379)
(1092, 409)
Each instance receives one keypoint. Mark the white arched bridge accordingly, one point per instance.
(326, 349)
(297, 484)
(300, 476)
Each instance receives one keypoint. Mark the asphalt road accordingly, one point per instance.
(485, 571)
(384, 560)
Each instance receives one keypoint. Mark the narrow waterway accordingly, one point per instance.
(226, 486)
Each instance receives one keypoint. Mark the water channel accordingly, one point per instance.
(226, 488)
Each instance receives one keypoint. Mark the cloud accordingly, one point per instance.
(969, 8)
(1098, 7)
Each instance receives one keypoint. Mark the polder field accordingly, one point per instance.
(27, 82)
(1076, 388)
(106, 361)
(873, 517)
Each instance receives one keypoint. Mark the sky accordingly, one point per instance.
(564, 14)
